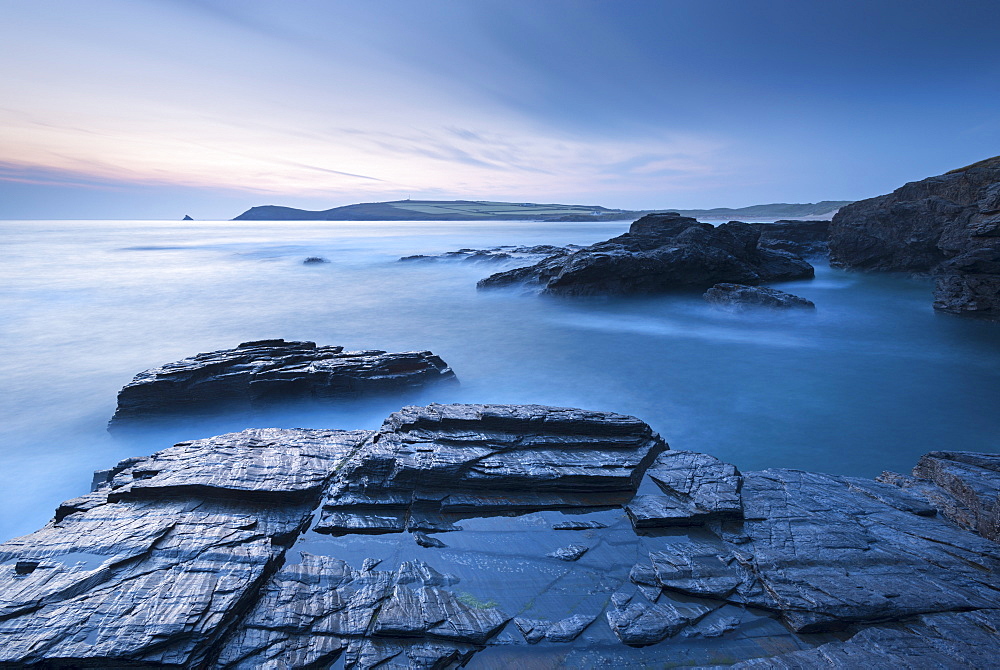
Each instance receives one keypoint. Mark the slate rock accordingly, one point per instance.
(661, 252)
(740, 298)
(463, 458)
(952, 640)
(963, 486)
(639, 622)
(564, 630)
(696, 488)
(168, 549)
(828, 551)
(571, 553)
(267, 371)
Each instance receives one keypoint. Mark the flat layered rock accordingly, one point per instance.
(962, 486)
(152, 566)
(953, 640)
(827, 551)
(696, 488)
(206, 554)
(267, 371)
(661, 252)
(491, 457)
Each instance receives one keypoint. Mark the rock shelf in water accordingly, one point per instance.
(266, 371)
(660, 252)
(218, 553)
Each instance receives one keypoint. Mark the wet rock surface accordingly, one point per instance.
(946, 225)
(426, 461)
(739, 298)
(268, 371)
(219, 553)
(661, 252)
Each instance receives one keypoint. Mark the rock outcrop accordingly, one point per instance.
(803, 238)
(948, 226)
(267, 371)
(218, 553)
(739, 298)
(661, 252)
(426, 461)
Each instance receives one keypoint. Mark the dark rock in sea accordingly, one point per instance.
(739, 298)
(802, 238)
(946, 226)
(661, 252)
(267, 371)
(206, 554)
(187, 218)
(315, 260)
(476, 458)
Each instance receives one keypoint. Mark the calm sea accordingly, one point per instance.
(869, 382)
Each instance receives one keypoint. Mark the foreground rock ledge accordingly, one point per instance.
(265, 371)
(218, 553)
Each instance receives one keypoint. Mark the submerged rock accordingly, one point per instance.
(947, 226)
(739, 298)
(661, 252)
(266, 371)
(315, 260)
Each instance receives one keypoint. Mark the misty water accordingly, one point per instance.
(868, 382)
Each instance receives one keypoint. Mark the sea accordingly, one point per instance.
(868, 382)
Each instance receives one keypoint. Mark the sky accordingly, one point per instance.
(153, 109)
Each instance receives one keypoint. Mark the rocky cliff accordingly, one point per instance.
(947, 226)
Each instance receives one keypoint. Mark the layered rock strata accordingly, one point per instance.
(267, 371)
(948, 226)
(217, 553)
(740, 298)
(661, 252)
(426, 461)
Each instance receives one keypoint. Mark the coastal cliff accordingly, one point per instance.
(947, 226)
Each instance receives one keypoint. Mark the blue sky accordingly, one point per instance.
(160, 108)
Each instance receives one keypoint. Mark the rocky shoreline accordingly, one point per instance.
(462, 530)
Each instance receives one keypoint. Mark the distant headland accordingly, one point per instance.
(481, 210)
